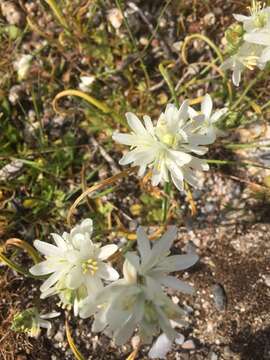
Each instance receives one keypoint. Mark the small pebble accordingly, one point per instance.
(220, 297)
(189, 345)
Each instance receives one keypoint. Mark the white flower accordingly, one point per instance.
(75, 263)
(154, 263)
(31, 322)
(86, 82)
(210, 118)
(137, 301)
(22, 66)
(254, 47)
(167, 148)
(259, 17)
(247, 56)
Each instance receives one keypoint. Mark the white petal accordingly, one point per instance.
(108, 273)
(183, 110)
(197, 149)
(177, 262)
(107, 251)
(42, 268)
(180, 157)
(50, 315)
(134, 259)
(199, 164)
(156, 177)
(207, 106)
(163, 245)
(176, 284)
(218, 114)
(160, 347)
(126, 139)
(49, 292)
(135, 124)
(149, 125)
(125, 332)
(46, 248)
(191, 178)
(236, 76)
(241, 18)
(74, 278)
(60, 242)
(258, 38)
(129, 272)
(45, 324)
(51, 281)
(265, 57)
(143, 243)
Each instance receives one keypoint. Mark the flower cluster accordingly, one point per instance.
(137, 301)
(75, 265)
(169, 148)
(249, 41)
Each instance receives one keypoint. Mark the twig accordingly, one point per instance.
(106, 156)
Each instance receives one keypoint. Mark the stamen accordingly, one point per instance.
(90, 265)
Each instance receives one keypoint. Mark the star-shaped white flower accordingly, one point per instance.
(210, 117)
(168, 148)
(74, 262)
(247, 56)
(155, 264)
(137, 301)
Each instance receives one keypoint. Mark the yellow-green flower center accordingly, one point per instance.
(90, 265)
(260, 19)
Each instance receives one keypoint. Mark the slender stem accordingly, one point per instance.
(239, 163)
(168, 80)
(134, 43)
(166, 201)
(168, 185)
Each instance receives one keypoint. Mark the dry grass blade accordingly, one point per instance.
(192, 37)
(96, 187)
(25, 246)
(57, 12)
(90, 99)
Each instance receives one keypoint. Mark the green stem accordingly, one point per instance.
(168, 80)
(168, 185)
(166, 201)
(239, 163)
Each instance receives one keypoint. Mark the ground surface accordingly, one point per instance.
(58, 155)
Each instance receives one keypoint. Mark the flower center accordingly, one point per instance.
(250, 62)
(90, 265)
(260, 19)
(168, 139)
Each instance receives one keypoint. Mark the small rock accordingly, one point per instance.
(220, 297)
(209, 19)
(12, 13)
(189, 345)
(213, 356)
(267, 280)
(11, 170)
(115, 17)
(59, 336)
